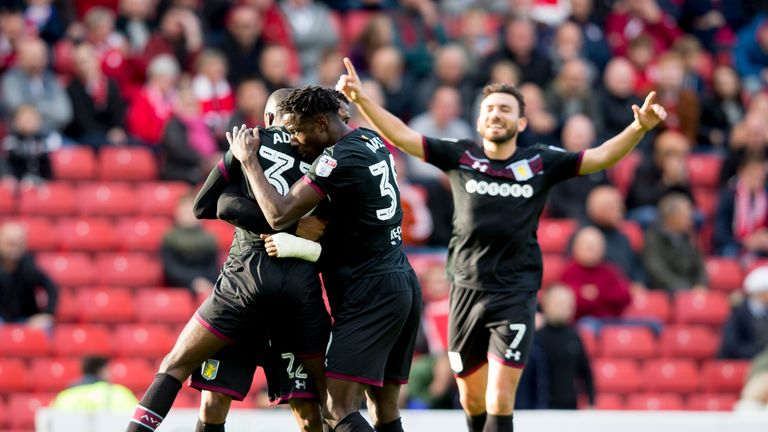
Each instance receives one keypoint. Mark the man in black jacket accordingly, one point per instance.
(745, 333)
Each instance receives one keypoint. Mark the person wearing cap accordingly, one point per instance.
(745, 334)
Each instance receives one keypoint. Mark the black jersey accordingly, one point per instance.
(497, 205)
(363, 236)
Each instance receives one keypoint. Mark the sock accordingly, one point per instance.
(393, 426)
(155, 404)
(208, 427)
(498, 423)
(353, 423)
(476, 423)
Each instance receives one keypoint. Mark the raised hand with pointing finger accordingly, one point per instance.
(650, 114)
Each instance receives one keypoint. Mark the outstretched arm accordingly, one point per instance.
(387, 124)
(608, 153)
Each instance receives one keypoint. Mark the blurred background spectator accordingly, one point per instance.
(741, 223)
(745, 333)
(94, 391)
(28, 146)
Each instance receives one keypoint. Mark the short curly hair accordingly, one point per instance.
(310, 100)
(508, 89)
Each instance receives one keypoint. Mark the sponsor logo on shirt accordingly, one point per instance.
(513, 190)
(325, 166)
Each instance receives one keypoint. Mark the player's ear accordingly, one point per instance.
(522, 123)
(321, 122)
(269, 119)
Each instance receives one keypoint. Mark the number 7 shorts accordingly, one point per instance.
(489, 325)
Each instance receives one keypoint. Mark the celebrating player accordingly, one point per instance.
(494, 261)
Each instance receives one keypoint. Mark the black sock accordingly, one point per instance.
(155, 404)
(353, 423)
(476, 423)
(393, 426)
(498, 423)
(208, 427)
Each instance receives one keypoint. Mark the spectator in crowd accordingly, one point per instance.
(217, 100)
(642, 56)
(568, 44)
(47, 18)
(375, 92)
(189, 252)
(450, 70)
(99, 117)
(741, 222)
(312, 31)
(567, 199)
(595, 44)
(723, 109)
(419, 32)
(682, 104)
(571, 93)
(520, 46)
(179, 35)
(601, 290)
(712, 22)
(274, 68)
(135, 21)
(567, 363)
(417, 219)
(748, 140)
(631, 18)
(697, 64)
(251, 98)
(477, 38)
(605, 211)
(542, 125)
(152, 108)
(94, 392)
(388, 69)
(378, 33)
(671, 257)
(745, 333)
(242, 42)
(13, 30)
(20, 279)
(28, 146)
(30, 82)
(329, 66)
(750, 55)
(617, 95)
(189, 149)
(666, 171)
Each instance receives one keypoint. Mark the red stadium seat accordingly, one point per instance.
(554, 265)
(127, 163)
(144, 234)
(650, 304)
(54, 374)
(159, 198)
(7, 200)
(704, 170)
(691, 342)
(670, 375)
(609, 402)
(106, 199)
(67, 310)
(706, 200)
(554, 234)
(355, 22)
(164, 305)
(709, 307)
(70, 340)
(655, 402)
(627, 342)
(143, 340)
(616, 376)
(221, 230)
(589, 340)
(68, 269)
(715, 402)
(623, 173)
(135, 373)
(724, 376)
(13, 376)
(724, 274)
(634, 233)
(48, 199)
(129, 269)
(73, 163)
(106, 305)
(4, 415)
(18, 340)
(85, 234)
(40, 232)
(24, 406)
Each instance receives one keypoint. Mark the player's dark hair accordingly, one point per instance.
(309, 101)
(340, 96)
(92, 365)
(508, 89)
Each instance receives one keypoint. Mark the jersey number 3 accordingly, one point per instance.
(386, 186)
(281, 163)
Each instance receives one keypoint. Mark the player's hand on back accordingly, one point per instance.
(650, 114)
(349, 83)
(244, 142)
(310, 228)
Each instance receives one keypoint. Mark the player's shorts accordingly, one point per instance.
(491, 325)
(375, 329)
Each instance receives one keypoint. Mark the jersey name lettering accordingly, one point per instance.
(513, 190)
(374, 144)
(281, 137)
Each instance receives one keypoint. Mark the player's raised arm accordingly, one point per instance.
(218, 180)
(608, 153)
(387, 124)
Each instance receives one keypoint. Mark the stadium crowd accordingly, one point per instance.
(627, 252)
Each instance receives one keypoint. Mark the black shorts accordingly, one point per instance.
(494, 325)
(375, 327)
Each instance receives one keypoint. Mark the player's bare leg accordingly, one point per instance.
(472, 394)
(214, 408)
(194, 345)
(500, 396)
(342, 407)
(315, 367)
(307, 414)
(385, 410)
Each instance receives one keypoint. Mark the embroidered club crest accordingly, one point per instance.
(210, 369)
(521, 170)
(325, 166)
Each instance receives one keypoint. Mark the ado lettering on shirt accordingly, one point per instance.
(497, 210)
(363, 235)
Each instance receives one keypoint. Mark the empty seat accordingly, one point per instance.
(24, 406)
(554, 234)
(7, 200)
(85, 234)
(106, 199)
(68, 268)
(13, 376)
(54, 374)
(48, 199)
(655, 402)
(649, 304)
(135, 373)
(711, 402)
(23, 341)
(159, 198)
(706, 200)
(609, 401)
(67, 309)
(129, 269)
(143, 340)
(73, 163)
(704, 170)
(164, 305)
(709, 307)
(627, 342)
(143, 233)
(127, 163)
(693, 342)
(83, 339)
(589, 340)
(724, 376)
(616, 375)
(554, 265)
(221, 230)
(670, 375)
(634, 233)
(724, 274)
(623, 173)
(107, 305)
(40, 233)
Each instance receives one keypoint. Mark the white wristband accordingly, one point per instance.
(290, 246)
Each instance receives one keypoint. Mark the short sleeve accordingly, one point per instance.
(328, 174)
(560, 165)
(445, 153)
